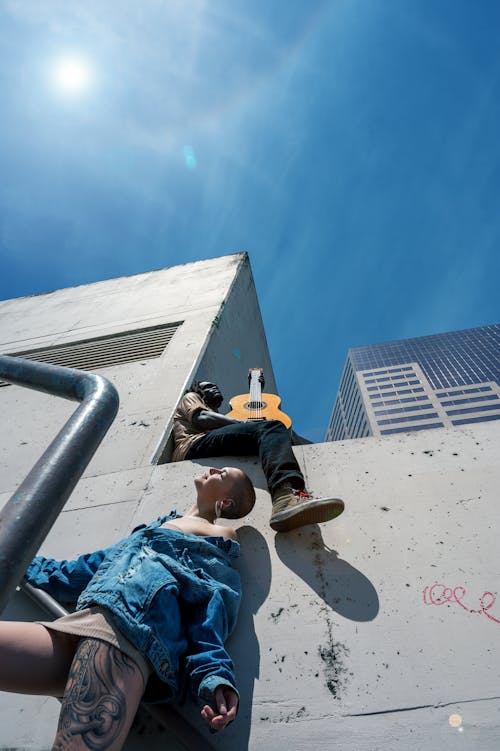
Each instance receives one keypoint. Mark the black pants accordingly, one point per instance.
(267, 439)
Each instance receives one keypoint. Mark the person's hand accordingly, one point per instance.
(226, 701)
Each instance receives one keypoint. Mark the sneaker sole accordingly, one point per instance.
(312, 512)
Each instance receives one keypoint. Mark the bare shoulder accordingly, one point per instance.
(193, 525)
(228, 533)
(218, 530)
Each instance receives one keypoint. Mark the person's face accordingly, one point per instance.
(211, 394)
(216, 484)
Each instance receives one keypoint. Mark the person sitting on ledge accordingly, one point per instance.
(153, 609)
(201, 432)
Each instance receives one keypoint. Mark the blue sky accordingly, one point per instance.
(351, 147)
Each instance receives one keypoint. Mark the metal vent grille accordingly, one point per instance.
(116, 349)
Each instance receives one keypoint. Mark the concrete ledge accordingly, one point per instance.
(369, 632)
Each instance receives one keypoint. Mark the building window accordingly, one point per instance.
(467, 420)
(484, 398)
(407, 418)
(397, 410)
(411, 428)
(468, 410)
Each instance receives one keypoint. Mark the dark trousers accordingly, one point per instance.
(267, 439)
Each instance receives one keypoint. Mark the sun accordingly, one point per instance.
(72, 75)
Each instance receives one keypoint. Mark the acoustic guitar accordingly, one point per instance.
(256, 405)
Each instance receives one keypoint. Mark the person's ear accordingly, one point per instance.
(226, 504)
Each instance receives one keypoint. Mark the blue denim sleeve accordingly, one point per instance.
(64, 580)
(207, 663)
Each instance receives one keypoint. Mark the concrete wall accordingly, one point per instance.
(366, 633)
(198, 294)
(371, 632)
(237, 342)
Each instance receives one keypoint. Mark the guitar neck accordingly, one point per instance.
(255, 396)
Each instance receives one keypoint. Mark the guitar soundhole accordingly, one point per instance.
(255, 405)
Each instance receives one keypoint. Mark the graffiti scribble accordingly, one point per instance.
(440, 594)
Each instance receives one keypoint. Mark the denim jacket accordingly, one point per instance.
(175, 596)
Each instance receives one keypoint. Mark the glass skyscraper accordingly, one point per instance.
(414, 384)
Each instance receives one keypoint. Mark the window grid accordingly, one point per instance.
(484, 398)
(456, 365)
(400, 410)
(410, 428)
(468, 420)
(463, 391)
(468, 410)
(428, 416)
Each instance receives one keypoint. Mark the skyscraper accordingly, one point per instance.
(428, 382)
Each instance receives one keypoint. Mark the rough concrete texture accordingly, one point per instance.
(221, 335)
(375, 631)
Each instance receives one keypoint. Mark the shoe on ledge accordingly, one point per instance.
(295, 508)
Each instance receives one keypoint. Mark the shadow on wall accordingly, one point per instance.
(342, 587)
(255, 570)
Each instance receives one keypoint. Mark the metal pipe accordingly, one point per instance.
(43, 600)
(29, 514)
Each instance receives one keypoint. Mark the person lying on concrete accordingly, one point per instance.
(200, 432)
(152, 616)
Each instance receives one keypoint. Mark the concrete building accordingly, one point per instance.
(414, 384)
(151, 335)
(376, 631)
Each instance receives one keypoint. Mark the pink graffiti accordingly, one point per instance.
(439, 594)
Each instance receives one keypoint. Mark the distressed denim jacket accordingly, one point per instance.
(175, 596)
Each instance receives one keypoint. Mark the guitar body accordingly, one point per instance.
(267, 409)
(256, 405)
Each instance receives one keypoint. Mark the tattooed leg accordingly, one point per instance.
(102, 694)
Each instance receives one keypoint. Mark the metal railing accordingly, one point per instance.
(28, 516)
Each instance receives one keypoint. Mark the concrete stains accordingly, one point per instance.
(279, 660)
(287, 717)
(276, 615)
(335, 670)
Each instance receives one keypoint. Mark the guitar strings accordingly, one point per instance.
(255, 400)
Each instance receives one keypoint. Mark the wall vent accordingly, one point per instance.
(106, 351)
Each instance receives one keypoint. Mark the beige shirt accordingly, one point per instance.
(185, 432)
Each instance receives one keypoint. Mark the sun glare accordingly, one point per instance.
(72, 75)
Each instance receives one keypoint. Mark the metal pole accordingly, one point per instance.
(27, 517)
